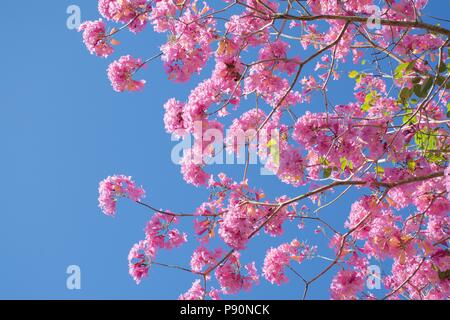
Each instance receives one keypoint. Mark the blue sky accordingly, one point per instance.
(62, 130)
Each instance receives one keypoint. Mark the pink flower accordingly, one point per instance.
(196, 292)
(287, 164)
(237, 224)
(173, 118)
(109, 8)
(114, 187)
(275, 53)
(120, 74)
(95, 39)
(163, 15)
(214, 294)
(137, 262)
(275, 227)
(243, 130)
(134, 12)
(192, 169)
(277, 259)
(230, 278)
(175, 239)
(201, 258)
(346, 284)
(188, 49)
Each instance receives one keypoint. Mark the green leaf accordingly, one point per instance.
(327, 172)
(418, 91)
(379, 170)
(406, 118)
(350, 165)
(274, 151)
(353, 74)
(416, 80)
(324, 161)
(404, 95)
(344, 163)
(369, 100)
(443, 275)
(427, 85)
(402, 68)
(411, 165)
(426, 140)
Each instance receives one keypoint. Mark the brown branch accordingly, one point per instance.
(385, 22)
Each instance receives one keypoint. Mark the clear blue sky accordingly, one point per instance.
(62, 130)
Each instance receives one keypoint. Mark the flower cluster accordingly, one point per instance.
(346, 284)
(121, 72)
(277, 259)
(269, 78)
(158, 235)
(131, 12)
(111, 188)
(231, 279)
(95, 38)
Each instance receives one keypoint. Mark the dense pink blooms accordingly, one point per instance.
(346, 284)
(131, 12)
(121, 71)
(188, 48)
(243, 130)
(277, 259)
(263, 87)
(237, 224)
(138, 263)
(173, 118)
(196, 292)
(163, 15)
(275, 53)
(421, 274)
(203, 258)
(287, 164)
(158, 235)
(232, 280)
(115, 187)
(192, 169)
(95, 38)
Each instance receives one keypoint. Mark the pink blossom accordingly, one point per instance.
(237, 224)
(277, 259)
(196, 292)
(121, 71)
(115, 187)
(201, 258)
(137, 262)
(95, 38)
(188, 49)
(173, 118)
(230, 278)
(132, 12)
(346, 284)
(192, 169)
